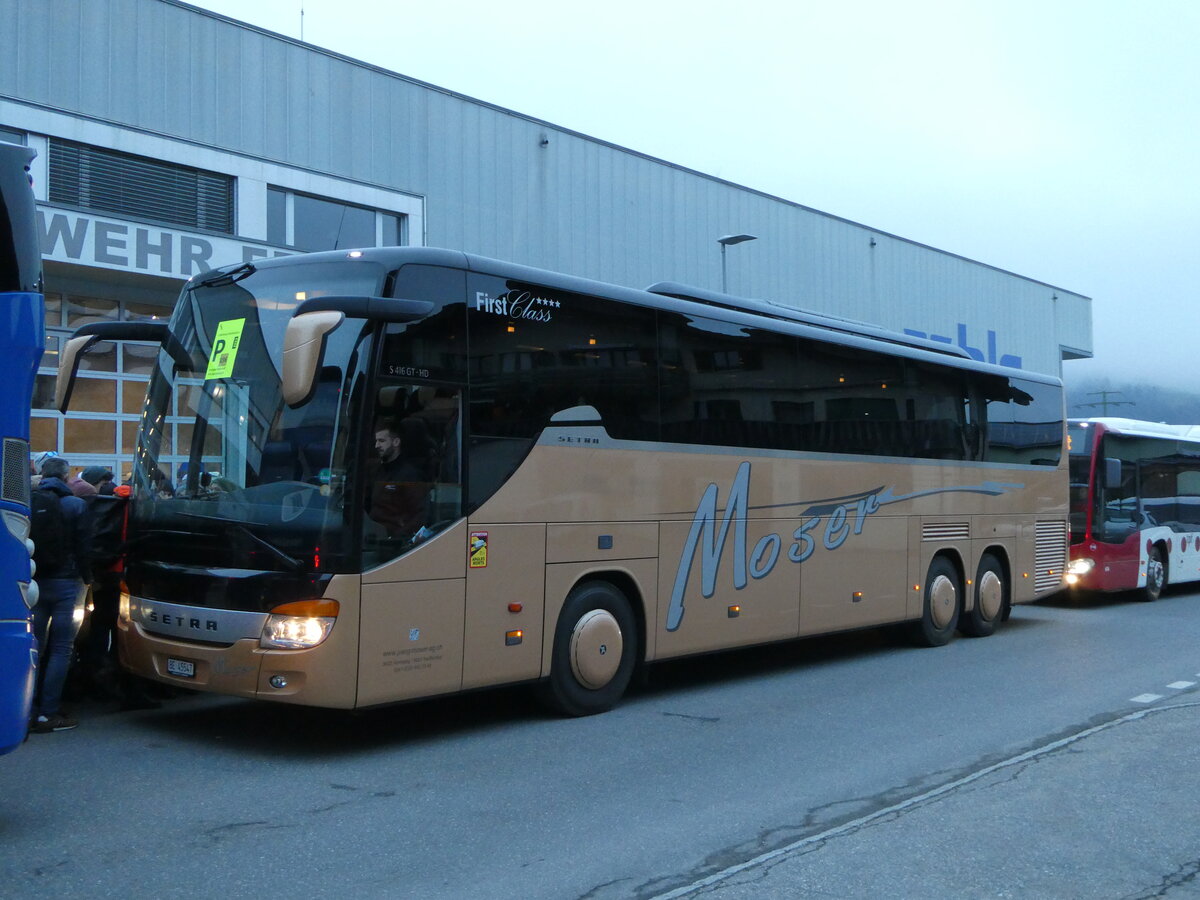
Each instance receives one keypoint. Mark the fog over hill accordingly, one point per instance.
(1115, 396)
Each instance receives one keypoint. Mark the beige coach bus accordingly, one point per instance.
(373, 476)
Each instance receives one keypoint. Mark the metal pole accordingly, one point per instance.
(724, 242)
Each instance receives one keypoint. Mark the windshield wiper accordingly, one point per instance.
(290, 561)
(221, 278)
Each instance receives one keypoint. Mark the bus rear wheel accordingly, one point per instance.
(1156, 576)
(991, 599)
(595, 645)
(940, 610)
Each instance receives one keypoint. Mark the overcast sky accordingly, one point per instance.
(1059, 139)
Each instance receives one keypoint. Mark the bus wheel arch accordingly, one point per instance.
(942, 602)
(990, 593)
(1157, 571)
(595, 648)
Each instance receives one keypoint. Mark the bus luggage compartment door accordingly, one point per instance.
(505, 601)
(411, 640)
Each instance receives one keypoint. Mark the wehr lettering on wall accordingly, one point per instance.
(991, 355)
(824, 524)
(75, 237)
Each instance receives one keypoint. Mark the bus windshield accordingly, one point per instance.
(253, 483)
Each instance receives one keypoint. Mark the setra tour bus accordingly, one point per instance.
(378, 475)
(22, 339)
(1135, 505)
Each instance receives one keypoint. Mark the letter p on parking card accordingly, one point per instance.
(224, 348)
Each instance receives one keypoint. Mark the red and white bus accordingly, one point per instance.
(1135, 505)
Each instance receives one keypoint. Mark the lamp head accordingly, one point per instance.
(736, 239)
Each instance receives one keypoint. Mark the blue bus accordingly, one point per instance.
(22, 338)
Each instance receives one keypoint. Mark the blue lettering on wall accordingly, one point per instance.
(991, 355)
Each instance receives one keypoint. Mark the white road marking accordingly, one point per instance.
(1181, 685)
(1145, 698)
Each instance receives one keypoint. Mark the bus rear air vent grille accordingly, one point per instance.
(945, 531)
(16, 481)
(1049, 555)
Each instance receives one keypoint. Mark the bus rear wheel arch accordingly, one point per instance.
(594, 650)
(941, 604)
(991, 598)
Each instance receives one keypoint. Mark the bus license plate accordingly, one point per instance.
(181, 667)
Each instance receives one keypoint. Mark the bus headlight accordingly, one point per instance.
(1077, 568)
(299, 626)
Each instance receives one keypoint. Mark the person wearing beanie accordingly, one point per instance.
(99, 477)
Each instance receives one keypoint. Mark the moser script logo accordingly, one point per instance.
(517, 305)
(830, 522)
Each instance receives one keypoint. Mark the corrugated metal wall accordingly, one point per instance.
(491, 186)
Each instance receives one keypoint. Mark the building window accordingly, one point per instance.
(107, 181)
(308, 223)
(110, 391)
(11, 135)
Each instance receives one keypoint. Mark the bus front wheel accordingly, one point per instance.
(595, 646)
(940, 611)
(991, 599)
(1156, 575)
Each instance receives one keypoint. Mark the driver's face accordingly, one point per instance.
(387, 445)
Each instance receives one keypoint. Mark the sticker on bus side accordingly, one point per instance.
(225, 348)
(477, 549)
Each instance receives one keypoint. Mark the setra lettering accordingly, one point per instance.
(174, 621)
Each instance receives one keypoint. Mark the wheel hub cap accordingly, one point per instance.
(596, 646)
(942, 601)
(991, 595)
(1155, 573)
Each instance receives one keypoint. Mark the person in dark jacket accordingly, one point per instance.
(61, 590)
(399, 498)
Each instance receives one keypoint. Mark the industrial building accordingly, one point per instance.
(171, 139)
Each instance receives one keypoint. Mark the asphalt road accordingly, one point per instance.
(1057, 758)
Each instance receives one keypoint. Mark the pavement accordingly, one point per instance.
(1109, 811)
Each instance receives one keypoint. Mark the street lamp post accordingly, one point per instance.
(725, 242)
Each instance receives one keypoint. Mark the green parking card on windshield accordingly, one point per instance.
(224, 349)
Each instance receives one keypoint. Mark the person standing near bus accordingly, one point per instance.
(81, 487)
(60, 532)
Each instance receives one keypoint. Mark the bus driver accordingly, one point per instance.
(400, 486)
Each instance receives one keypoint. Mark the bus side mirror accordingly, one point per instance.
(315, 318)
(1112, 473)
(303, 352)
(88, 336)
(68, 367)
